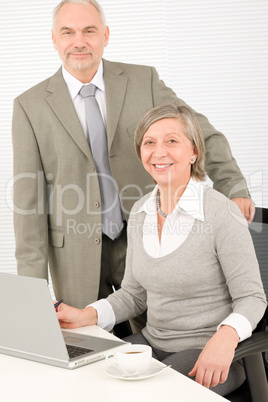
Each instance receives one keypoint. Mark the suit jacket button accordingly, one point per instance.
(96, 240)
(96, 204)
(93, 168)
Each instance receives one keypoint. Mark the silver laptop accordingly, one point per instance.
(30, 327)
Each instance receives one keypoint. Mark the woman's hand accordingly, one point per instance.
(213, 364)
(70, 317)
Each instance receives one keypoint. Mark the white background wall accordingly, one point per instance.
(213, 53)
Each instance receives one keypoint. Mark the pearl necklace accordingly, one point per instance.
(158, 204)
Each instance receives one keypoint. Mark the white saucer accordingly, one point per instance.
(115, 372)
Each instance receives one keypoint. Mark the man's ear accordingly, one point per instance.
(53, 36)
(106, 36)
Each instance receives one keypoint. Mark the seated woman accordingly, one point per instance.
(190, 261)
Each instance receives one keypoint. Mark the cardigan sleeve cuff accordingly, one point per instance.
(106, 316)
(240, 323)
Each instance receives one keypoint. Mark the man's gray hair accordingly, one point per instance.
(85, 2)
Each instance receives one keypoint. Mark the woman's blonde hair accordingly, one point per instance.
(192, 130)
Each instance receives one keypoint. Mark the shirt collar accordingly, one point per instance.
(74, 85)
(191, 201)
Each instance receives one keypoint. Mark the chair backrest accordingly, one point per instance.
(259, 232)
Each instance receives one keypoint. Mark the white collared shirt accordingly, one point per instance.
(177, 225)
(176, 228)
(74, 86)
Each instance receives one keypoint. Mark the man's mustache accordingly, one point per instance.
(81, 50)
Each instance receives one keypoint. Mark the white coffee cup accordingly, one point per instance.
(131, 359)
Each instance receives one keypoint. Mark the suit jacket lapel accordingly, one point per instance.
(62, 105)
(115, 89)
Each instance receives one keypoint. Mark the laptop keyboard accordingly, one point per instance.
(76, 351)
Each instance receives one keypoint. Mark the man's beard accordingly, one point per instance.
(77, 65)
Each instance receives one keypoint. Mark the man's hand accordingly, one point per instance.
(247, 208)
(70, 317)
(212, 366)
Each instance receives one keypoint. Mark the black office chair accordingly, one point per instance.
(254, 351)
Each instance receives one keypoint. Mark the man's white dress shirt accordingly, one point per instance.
(74, 86)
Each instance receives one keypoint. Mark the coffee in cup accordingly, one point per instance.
(131, 359)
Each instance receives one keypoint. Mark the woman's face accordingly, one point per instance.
(167, 154)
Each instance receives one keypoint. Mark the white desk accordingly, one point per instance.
(23, 380)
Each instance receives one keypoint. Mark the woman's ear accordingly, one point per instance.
(195, 155)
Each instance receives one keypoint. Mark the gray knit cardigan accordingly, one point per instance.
(191, 290)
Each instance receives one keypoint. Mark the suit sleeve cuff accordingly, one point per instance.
(240, 323)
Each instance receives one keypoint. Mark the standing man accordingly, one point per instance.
(76, 175)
